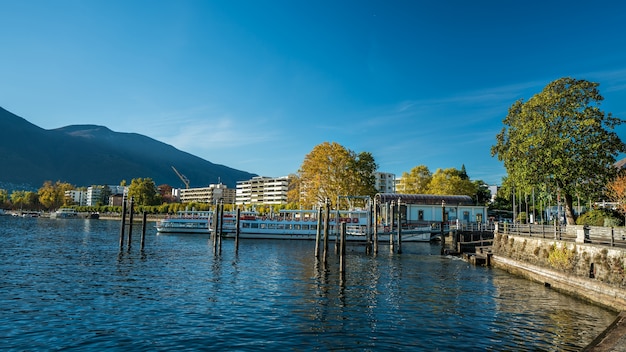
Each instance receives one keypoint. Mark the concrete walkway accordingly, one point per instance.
(612, 339)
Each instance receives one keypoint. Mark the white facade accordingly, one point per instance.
(494, 192)
(78, 197)
(94, 193)
(385, 182)
(419, 208)
(263, 190)
(211, 194)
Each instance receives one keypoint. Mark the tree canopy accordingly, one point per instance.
(616, 191)
(561, 138)
(331, 170)
(420, 180)
(52, 195)
(415, 181)
(144, 191)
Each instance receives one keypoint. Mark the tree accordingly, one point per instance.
(415, 181)
(105, 194)
(144, 191)
(560, 137)
(24, 199)
(483, 194)
(362, 168)
(451, 182)
(330, 170)
(4, 198)
(616, 191)
(293, 189)
(52, 195)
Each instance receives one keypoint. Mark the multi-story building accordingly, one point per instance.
(211, 194)
(494, 192)
(78, 197)
(263, 190)
(94, 194)
(385, 182)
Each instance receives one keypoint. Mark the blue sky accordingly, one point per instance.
(255, 85)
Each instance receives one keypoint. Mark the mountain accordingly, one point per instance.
(85, 155)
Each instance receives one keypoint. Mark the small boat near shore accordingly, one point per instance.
(64, 213)
(186, 221)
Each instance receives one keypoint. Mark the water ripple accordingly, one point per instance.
(65, 285)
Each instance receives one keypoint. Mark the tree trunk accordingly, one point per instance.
(569, 210)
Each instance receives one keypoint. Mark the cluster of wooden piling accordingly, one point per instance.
(217, 228)
(129, 208)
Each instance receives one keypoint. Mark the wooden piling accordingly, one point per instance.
(337, 234)
(326, 221)
(375, 222)
(130, 220)
(368, 248)
(342, 249)
(214, 227)
(443, 221)
(318, 232)
(221, 223)
(391, 227)
(237, 229)
(123, 226)
(399, 229)
(143, 229)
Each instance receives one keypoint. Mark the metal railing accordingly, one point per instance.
(606, 236)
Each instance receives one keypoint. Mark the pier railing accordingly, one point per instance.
(606, 236)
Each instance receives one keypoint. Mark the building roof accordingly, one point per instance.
(429, 199)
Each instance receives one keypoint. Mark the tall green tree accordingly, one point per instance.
(562, 138)
(415, 181)
(362, 168)
(144, 191)
(483, 194)
(331, 170)
(451, 182)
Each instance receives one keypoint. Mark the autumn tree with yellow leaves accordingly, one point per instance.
(331, 170)
(616, 191)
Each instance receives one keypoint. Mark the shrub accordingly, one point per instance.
(598, 217)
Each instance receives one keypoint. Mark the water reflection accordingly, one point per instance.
(71, 282)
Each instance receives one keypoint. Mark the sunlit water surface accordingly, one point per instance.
(65, 285)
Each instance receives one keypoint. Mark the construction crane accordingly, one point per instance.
(182, 177)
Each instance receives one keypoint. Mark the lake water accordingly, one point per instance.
(65, 285)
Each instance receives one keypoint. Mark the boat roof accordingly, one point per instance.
(426, 199)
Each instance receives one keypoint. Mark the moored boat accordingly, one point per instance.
(186, 221)
(303, 225)
(64, 213)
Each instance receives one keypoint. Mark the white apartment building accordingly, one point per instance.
(262, 190)
(94, 194)
(78, 197)
(385, 182)
(211, 194)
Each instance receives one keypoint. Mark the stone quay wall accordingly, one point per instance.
(594, 272)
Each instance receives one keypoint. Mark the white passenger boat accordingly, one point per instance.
(303, 224)
(288, 225)
(64, 213)
(186, 221)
